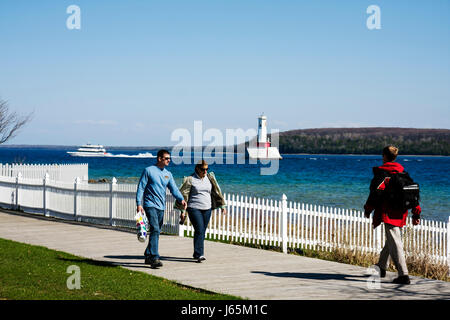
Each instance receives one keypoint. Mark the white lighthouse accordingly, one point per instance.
(263, 149)
(262, 130)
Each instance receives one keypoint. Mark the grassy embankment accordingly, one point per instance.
(34, 272)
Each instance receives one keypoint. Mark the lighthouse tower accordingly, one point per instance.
(263, 149)
(262, 132)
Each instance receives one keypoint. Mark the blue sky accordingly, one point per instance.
(138, 70)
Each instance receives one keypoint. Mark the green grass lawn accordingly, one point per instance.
(34, 272)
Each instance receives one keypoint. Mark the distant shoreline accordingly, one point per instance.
(19, 146)
(361, 154)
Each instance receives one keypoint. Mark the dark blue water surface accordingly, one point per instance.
(332, 180)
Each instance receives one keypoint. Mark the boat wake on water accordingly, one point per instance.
(140, 155)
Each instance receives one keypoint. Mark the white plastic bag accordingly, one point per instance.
(141, 226)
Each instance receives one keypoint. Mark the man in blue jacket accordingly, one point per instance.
(151, 199)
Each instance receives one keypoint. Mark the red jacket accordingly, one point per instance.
(383, 213)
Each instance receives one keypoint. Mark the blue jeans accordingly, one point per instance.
(155, 220)
(200, 220)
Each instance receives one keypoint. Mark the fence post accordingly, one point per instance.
(284, 238)
(18, 178)
(448, 243)
(378, 237)
(112, 202)
(45, 197)
(75, 198)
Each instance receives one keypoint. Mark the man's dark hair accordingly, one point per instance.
(390, 152)
(162, 152)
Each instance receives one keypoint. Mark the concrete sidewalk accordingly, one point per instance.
(236, 270)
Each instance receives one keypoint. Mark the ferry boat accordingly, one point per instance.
(89, 150)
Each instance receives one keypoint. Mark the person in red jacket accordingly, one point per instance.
(393, 219)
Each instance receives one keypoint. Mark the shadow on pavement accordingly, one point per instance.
(315, 276)
(142, 258)
(127, 257)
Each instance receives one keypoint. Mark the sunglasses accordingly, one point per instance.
(203, 169)
(166, 158)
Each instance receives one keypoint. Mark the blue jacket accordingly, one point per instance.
(151, 191)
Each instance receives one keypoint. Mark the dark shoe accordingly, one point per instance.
(148, 260)
(382, 273)
(156, 264)
(200, 259)
(402, 280)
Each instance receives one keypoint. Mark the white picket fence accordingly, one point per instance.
(111, 204)
(286, 224)
(58, 172)
(259, 221)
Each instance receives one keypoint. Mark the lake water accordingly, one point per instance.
(340, 181)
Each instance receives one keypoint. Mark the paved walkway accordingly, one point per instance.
(245, 272)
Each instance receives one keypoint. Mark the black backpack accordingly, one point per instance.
(402, 192)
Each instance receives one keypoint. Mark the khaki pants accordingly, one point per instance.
(393, 248)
